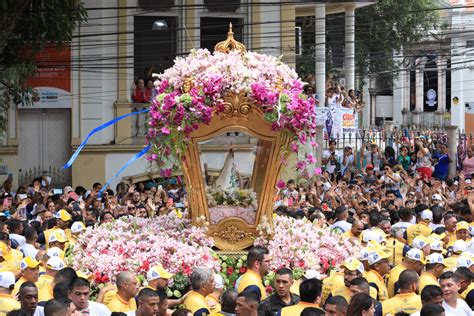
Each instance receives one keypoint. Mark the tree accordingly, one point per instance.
(26, 26)
(390, 26)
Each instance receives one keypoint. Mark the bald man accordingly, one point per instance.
(127, 287)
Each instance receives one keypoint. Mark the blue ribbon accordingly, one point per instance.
(129, 162)
(95, 130)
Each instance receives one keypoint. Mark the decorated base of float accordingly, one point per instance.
(202, 99)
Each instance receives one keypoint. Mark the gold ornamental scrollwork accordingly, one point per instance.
(230, 44)
(232, 234)
(237, 104)
(188, 84)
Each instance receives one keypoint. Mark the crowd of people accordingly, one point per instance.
(411, 219)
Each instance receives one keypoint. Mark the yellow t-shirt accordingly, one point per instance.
(214, 304)
(408, 303)
(117, 304)
(464, 294)
(296, 309)
(11, 266)
(346, 293)
(395, 248)
(451, 262)
(295, 288)
(330, 283)
(427, 278)
(392, 284)
(416, 230)
(377, 282)
(197, 304)
(18, 283)
(251, 279)
(45, 288)
(7, 304)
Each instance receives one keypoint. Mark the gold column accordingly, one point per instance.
(288, 33)
(123, 128)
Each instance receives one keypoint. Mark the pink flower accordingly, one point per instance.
(281, 184)
(165, 130)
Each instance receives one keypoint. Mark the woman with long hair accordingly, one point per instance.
(361, 305)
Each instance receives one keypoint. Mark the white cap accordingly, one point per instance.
(55, 263)
(219, 281)
(467, 181)
(436, 245)
(55, 252)
(464, 261)
(7, 279)
(459, 246)
(364, 254)
(415, 254)
(369, 235)
(77, 227)
(435, 258)
(427, 215)
(436, 197)
(312, 274)
(419, 242)
(376, 256)
(456, 182)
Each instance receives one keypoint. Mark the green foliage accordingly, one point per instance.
(25, 28)
(387, 27)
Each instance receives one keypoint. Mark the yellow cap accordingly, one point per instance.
(462, 225)
(29, 262)
(435, 236)
(376, 256)
(158, 272)
(63, 215)
(57, 235)
(353, 264)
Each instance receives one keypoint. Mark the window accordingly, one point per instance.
(214, 30)
(154, 51)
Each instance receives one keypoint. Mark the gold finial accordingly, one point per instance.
(279, 85)
(188, 84)
(230, 43)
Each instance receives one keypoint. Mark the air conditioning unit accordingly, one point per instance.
(156, 5)
(222, 5)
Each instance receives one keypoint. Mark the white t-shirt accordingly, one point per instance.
(39, 311)
(341, 225)
(131, 313)
(390, 184)
(29, 250)
(331, 167)
(462, 309)
(97, 309)
(434, 226)
(402, 226)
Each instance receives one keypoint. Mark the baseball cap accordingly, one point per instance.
(63, 215)
(7, 279)
(219, 281)
(415, 254)
(459, 246)
(57, 235)
(465, 261)
(437, 245)
(311, 274)
(158, 272)
(55, 263)
(436, 197)
(353, 264)
(427, 215)
(29, 262)
(419, 242)
(364, 254)
(373, 235)
(462, 225)
(55, 252)
(376, 256)
(5, 252)
(435, 258)
(435, 236)
(77, 227)
(369, 166)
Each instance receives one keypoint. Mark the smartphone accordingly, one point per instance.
(58, 191)
(179, 205)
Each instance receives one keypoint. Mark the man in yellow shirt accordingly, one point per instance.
(202, 284)
(458, 248)
(7, 261)
(334, 281)
(7, 302)
(413, 261)
(45, 282)
(58, 239)
(421, 228)
(462, 233)
(407, 301)
(310, 295)
(353, 268)
(213, 299)
(355, 231)
(258, 265)
(127, 287)
(29, 272)
(379, 268)
(433, 269)
(77, 228)
(450, 223)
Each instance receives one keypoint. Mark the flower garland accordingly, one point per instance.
(301, 244)
(271, 85)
